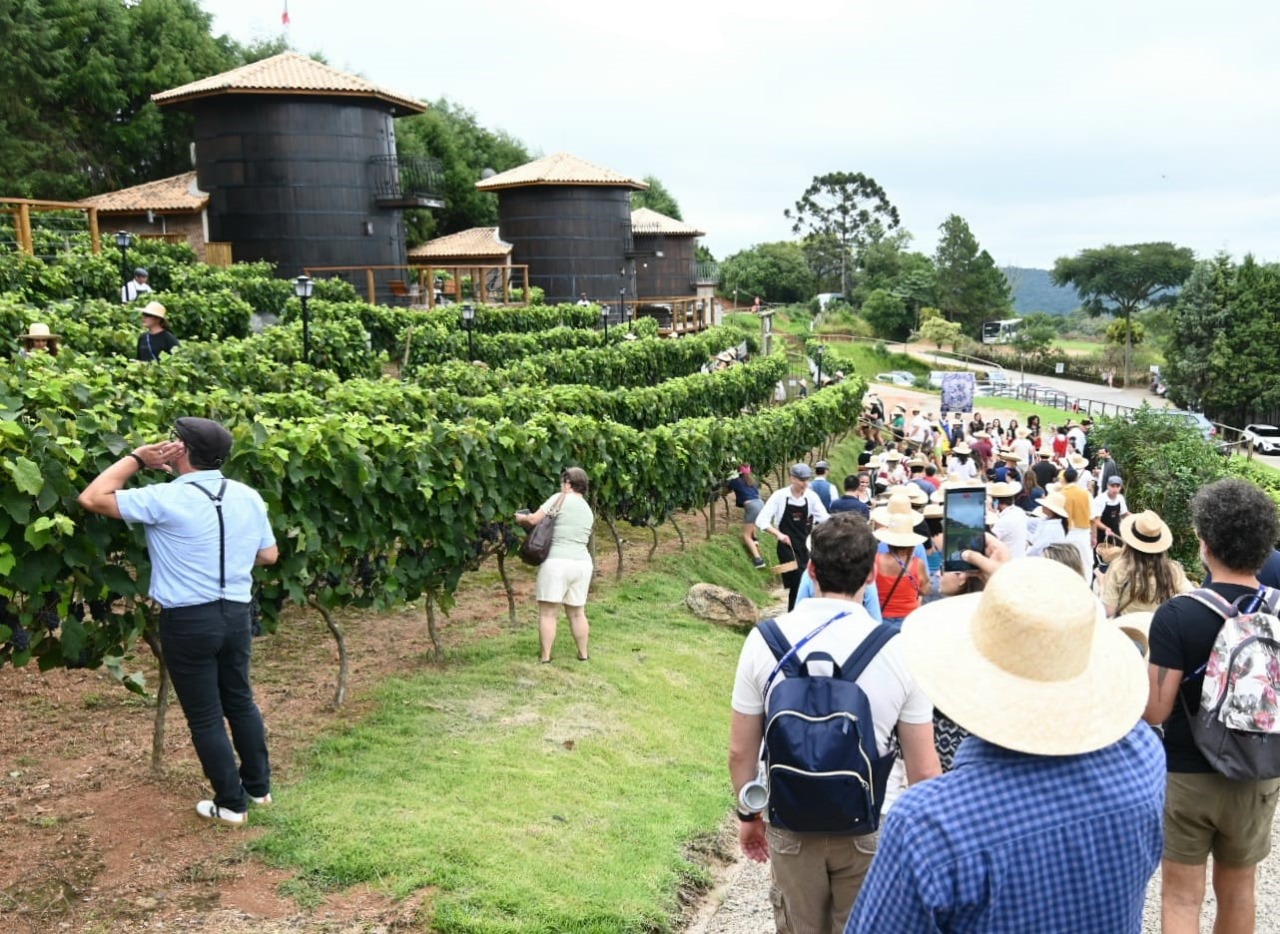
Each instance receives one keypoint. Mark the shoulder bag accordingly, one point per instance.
(537, 544)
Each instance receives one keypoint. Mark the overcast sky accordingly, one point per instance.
(1049, 127)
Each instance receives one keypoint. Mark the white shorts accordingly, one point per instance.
(564, 580)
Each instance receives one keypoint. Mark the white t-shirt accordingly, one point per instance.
(919, 428)
(1077, 437)
(132, 289)
(1102, 501)
(1011, 528)
(776, 505)
(967, 469)
(888, 684)
(1024, 449)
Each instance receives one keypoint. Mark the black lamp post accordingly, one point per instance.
(468, 324)
(604, 319)
(302, 287)
(818, 353)
(124, 240)
(622, 308)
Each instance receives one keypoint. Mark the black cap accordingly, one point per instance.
(208, 443)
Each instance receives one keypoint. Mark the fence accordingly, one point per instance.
(21, 210)
(416, 285)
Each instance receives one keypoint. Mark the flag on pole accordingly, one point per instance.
(284, 17)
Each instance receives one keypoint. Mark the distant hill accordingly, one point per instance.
(1033, 291)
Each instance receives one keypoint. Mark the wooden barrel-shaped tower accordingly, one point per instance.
(664, 254)
(570, 222)
(299, 162)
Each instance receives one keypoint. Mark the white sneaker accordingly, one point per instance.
(210, 811)
(263, 802)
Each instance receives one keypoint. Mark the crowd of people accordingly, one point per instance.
(1037, 707)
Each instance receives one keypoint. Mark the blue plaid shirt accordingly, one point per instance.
(1009, 842)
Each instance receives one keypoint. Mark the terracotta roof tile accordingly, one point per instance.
(648, 221)
(286, 72)
(478, 241)
(561, 168)
(178, 193)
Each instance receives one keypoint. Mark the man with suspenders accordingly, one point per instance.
(205, 533)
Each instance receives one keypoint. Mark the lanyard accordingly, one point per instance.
(796, 648)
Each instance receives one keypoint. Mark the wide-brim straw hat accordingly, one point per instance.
(1146, 531)
(1011, 456)
(900, 533)
(1056, 503)
(39, 332)
(912, 491)
(892, 456)
(155, 310)
(999, 490)
(1021, 432)
(1078, 462)
(932, 511)
(939, 496)
(1029, 664)
(1137, 626)
(899, 504)
(962, 448)
(982, 434)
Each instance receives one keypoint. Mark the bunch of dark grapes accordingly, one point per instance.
(255, 617)
(21, 639)
(101, 609)
(77, 611)
(47, 616)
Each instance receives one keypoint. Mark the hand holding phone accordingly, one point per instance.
(964, 518)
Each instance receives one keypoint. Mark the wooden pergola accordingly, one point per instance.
(21, 208)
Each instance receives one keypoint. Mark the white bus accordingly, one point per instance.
(1000, 332)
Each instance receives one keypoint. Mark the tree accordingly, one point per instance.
(886, 314)
(1124, 331)
(1034, 337)
(776, 272)
(824, 254)
(1123, 279)
(970, 288)
(843, 205)
(453, 134)
(656, 198)
(937, 330)
(1202, 311)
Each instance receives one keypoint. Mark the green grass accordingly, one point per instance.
(463, 778)
(1079, 345)
(863, 359)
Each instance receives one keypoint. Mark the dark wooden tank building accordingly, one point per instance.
(570, 222)
(664, 255)
(299, 163)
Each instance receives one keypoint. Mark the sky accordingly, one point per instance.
(1049, 127)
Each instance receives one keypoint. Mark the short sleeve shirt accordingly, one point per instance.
(573, 528)
(1102, 501)
(1182, 635)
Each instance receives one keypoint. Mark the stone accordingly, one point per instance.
(721, 605)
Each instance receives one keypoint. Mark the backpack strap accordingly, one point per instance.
(865, 653)
(778, 645)
(1214, 601)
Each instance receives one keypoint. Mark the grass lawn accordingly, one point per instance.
(1079, 346)
(538, 798)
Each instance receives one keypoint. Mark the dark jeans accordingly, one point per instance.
(206, 649)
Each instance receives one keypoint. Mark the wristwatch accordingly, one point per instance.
(748, 817)
(142, 465)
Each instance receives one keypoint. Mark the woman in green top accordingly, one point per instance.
(564, 578)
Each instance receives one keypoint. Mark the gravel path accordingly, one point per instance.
(744, 901)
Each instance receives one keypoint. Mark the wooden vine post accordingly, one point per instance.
(340, 691)
(152, 638)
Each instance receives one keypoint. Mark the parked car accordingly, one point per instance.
(1264, 438)
(897, 378)
(1196, 420)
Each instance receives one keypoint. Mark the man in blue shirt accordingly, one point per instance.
(205, 533)
(851, 501)
(1050, 819)
(821, 485)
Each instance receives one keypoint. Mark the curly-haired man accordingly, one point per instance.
(1205, 812)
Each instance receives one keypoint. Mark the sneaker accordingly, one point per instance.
(758, 563)
(263, 802)
(210, 811)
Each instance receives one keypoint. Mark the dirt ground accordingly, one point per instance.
(91, 841)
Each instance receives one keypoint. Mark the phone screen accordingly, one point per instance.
(964, 514)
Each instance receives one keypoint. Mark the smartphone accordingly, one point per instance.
(964, 521)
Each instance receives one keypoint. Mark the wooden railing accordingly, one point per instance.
(416, 285)
(22, 208)
(680, 315)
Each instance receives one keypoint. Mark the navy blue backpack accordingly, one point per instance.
(825, 773)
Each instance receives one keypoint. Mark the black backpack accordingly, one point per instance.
(825, 773)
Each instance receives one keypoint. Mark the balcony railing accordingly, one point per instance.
(408, 181)
(706, 273)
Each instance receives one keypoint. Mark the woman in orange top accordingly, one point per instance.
(901, 577)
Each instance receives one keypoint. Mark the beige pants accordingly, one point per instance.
(816, 879)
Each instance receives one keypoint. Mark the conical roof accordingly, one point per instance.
(563, 168)
(287, 73)
(648, 221)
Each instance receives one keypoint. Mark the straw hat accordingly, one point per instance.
(932, 511)
(912, 491)
(1010, 456)
(154, 310)
(1021, 432)
(900, 532)
(892, 456)
(38, 332)
(899, 504)
(1028, 664)
(939, 496)
(982, 434)
(1000, 490)
(1078, 462)
(1056, 503)
(962, 448)
(917, 461)
(1146, 531)
(1136, 626)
